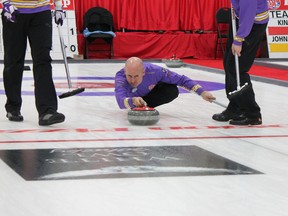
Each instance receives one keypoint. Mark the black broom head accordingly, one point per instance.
(71, 93)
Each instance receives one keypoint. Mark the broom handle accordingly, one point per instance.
(236, 56)
(64, 56)
(219, 104)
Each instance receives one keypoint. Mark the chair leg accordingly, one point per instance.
(216, 47)
(222, 47)
(111, 50)
(86, 49)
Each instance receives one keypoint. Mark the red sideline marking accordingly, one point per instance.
(142, 139)
(87, 130)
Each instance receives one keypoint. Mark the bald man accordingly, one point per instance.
(141, 84)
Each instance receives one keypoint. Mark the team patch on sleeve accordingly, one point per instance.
(166, 71)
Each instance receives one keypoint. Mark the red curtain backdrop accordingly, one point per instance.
(150, 15)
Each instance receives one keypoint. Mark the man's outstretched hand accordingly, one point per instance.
(208, 96)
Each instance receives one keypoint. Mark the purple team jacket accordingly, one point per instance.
(249, 12)
(153, 75)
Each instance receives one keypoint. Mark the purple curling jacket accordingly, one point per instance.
(153, 75)
(249, 12)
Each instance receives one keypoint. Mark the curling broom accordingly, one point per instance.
(71, 92)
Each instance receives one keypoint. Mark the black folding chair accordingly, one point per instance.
(99, 27)
(223, 20)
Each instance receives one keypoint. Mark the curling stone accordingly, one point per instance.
(174, 63)
(143, 116)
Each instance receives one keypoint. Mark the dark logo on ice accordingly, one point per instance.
(128, 162)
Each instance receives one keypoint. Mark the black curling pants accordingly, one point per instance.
(37, 28)
(162, 93)
(244, 103)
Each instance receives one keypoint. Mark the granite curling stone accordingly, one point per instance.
(174, 63)
(143, 116)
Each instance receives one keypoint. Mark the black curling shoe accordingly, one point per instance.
(51, 118)
(15, 116)
(226, 116)
(247, 121)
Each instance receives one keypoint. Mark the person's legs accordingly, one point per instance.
(40, 39)
(244, 103)
(246, 100)
(162, 93)
(15, 42)
(232, 111)
(249, 50)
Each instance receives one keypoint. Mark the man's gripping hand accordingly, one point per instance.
(10, 12)
(59, 15)
(138, 102)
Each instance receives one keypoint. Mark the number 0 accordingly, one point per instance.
(73, 48)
